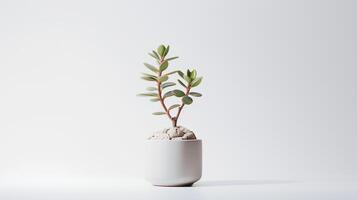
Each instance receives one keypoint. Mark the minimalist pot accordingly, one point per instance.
(173, 162)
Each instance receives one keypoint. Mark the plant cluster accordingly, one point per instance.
(163, 88)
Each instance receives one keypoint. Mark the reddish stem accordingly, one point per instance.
(162, 100)
(181, 107)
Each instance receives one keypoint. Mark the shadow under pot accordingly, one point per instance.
(173, 162)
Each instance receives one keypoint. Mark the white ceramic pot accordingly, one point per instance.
(173, 162)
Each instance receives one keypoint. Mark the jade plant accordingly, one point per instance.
(164, 89)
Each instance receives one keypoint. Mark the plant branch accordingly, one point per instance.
(162, 101)
(175, 119)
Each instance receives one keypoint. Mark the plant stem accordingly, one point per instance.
(181, 107)
(162, 101)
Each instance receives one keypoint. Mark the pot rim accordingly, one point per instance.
(176, 141)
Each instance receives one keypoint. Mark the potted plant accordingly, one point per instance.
(173, 155)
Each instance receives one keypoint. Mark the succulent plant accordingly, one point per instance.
(164, 89)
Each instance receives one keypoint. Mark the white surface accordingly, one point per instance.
(279, 93)
(137, 189)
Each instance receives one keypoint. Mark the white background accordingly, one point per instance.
(279, 90)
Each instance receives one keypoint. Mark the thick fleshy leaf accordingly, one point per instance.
(164, 66)
(195, 94)
(159, 113)
(171, 72)
(187, 78)
(178, 93)
(193, 74)
(187, 100)
(155, 99)
(181, 74)
(163, 78)
(188, 73)
(148, 78)
(167, 84)
(152, 68)
(149, 75)
(154, 56)
(167, 50)
(151, 88)
(148, 94)
(172, 58)
(181, 83)
(157, 55)
(174, 106)
(168, 94)
(196, 82)
(161, 50)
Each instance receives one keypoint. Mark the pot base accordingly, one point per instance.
(179, 185)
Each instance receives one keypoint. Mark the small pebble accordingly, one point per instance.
(173, 133)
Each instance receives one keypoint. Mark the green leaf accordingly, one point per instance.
(155, 99)
(193, 74)
(171, 72)
(151, 88)
(148, 78)
(181, 74)
(187, 100)
(188, 73)
(164, 66)
(161, 50)
(159, 113)
(167, 50)
(152, 68)
(147, 94)
(167, 84)
(187, 78)
(154, 56)
(181, 83)
(197, 82)
(178, 93)
(195, 94)
(172, 58)
(174, 106)
(163, 78)
(168, 94)
(149, 75)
